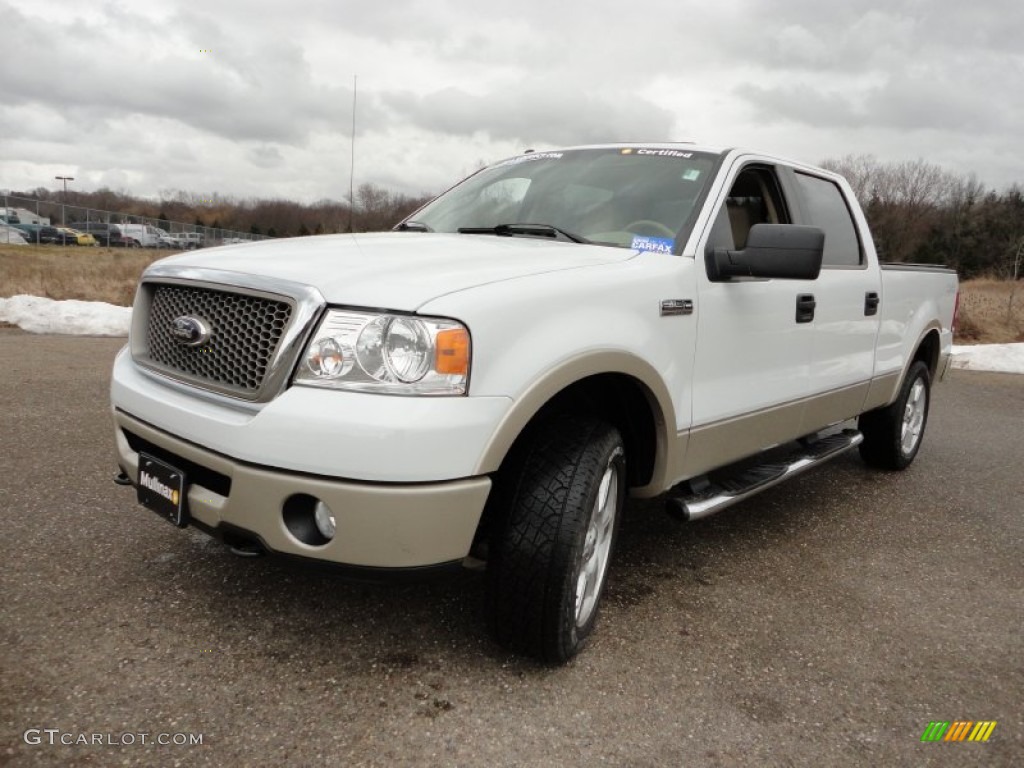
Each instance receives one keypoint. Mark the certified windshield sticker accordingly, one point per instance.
(656, 153)
(530, 158)
(656, 244)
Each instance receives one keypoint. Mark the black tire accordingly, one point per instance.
(893, 435)
(554, 537)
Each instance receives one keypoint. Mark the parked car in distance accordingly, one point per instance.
(39, 233)
(66, 236)
(106, 234)
(74, 237)
(146, 235)
(10, 235)
(171, 240)
(192, 240)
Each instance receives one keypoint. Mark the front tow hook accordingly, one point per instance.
(121, 478)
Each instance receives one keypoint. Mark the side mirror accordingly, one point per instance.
(784, 251)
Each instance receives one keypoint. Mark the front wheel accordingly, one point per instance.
(563, 497)
(892, 435)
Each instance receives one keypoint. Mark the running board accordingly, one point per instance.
(710, 497)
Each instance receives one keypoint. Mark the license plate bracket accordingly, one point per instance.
(161, 488)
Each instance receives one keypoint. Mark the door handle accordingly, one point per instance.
(871, 302)
(805, 305)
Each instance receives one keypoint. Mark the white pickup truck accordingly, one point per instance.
(485, 383)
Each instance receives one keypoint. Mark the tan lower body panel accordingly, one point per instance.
(882, 390)
(715, 445)
(378, 525)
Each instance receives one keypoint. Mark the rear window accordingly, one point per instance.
(827, 208)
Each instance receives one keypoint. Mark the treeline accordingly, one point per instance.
(376, 209)
(919, 212)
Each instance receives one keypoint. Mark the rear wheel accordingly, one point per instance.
(892, 435)
(562, 499)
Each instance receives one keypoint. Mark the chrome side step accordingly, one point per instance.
(705, 497)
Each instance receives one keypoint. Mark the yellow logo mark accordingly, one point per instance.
(174, 497)
(626, 152)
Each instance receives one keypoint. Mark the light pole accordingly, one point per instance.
(65, 179)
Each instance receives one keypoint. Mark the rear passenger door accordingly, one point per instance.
(847, 296)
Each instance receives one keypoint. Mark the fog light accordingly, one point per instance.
(324, 519)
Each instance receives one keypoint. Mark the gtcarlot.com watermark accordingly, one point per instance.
(55, 737)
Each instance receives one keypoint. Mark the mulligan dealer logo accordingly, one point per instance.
(959, 730)
(146, 480)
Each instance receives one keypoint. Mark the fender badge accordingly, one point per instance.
(676, 307)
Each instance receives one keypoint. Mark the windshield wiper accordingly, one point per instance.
(530, 230)
(413, 226)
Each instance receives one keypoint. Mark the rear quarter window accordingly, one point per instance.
(826, 207)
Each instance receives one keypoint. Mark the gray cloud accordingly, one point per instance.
(530, 114)
(125, 92)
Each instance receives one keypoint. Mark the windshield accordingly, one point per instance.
(623, 196)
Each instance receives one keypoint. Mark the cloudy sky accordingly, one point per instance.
(254, 99)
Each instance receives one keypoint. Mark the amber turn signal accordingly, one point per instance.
(452, 352)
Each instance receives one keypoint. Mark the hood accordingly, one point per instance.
(399, 270)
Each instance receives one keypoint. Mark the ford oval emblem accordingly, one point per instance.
(190, 331)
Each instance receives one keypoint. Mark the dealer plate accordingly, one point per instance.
(161, 488)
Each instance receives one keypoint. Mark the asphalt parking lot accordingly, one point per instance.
(825, 622)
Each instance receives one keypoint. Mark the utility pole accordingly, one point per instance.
(352, 162)
(65, 179)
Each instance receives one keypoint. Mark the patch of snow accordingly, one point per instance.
(97, 318)
(1002, 358)
(79, 318)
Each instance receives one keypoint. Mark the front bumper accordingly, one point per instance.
(362, 436)
(398, 525)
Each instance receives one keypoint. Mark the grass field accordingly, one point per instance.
(72, 272)
(110, 274)
(987, 314)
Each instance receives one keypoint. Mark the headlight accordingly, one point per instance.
(394, 354)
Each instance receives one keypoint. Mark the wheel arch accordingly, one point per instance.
(617, 386)
(885, 389)
(927, 350)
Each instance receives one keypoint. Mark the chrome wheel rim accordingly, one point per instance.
(598, 544)
(913, 417)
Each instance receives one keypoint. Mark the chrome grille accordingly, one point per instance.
(245, 333)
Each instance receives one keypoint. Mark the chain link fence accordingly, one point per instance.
(20, 218)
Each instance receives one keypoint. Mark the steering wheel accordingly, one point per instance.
(650, 224)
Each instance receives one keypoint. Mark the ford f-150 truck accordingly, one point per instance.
(483, 385)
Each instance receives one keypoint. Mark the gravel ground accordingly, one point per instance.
(825, 622)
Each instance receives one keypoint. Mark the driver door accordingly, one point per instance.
(753, 356)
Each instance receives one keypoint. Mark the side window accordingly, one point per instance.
(827, 209)
(754, 198)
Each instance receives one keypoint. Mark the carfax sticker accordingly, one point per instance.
(656, 244)
(528, 158)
